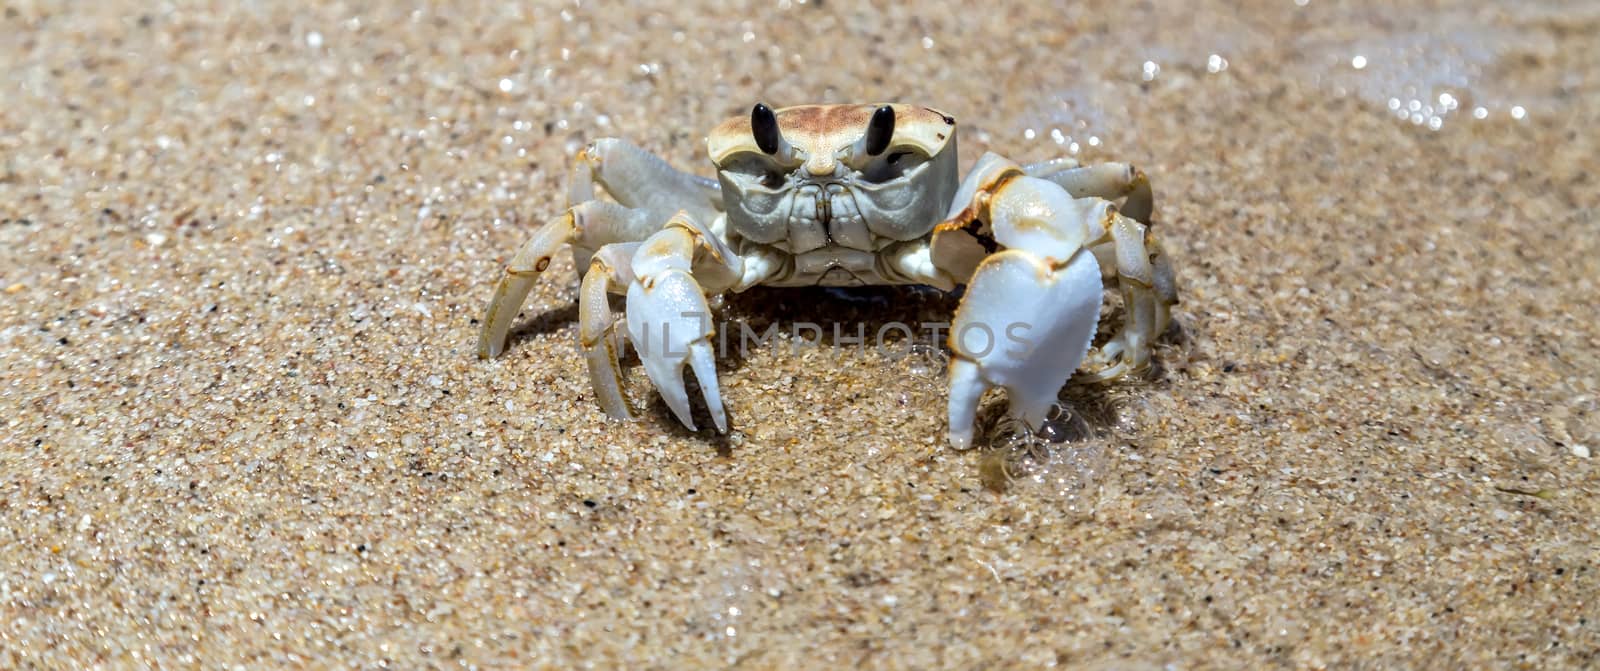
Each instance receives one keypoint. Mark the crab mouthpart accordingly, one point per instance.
(826, 214)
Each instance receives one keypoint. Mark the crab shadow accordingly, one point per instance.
(548, 322)
(840, 323)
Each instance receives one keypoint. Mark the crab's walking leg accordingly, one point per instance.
(669, 321)
(610, 271)
(1105, 180)
(1131, 256)
(638, 179)
(647, 190)
(587, 226)
(1145, 278)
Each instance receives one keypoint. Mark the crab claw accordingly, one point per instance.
(670, 325)
(1024, 325)
(668, 319)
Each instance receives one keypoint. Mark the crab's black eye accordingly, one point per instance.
(764, 125)
(880, 130)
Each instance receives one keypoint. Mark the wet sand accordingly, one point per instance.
(244, 252)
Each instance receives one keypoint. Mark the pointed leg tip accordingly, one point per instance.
(966, 388)
(703, 362)
(719, 413)
(679, 404)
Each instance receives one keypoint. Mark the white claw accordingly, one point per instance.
(966, 388)
(705, 370)
(1022, 326)
(669, 324)
(668, 379)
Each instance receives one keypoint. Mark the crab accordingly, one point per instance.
(852, 195)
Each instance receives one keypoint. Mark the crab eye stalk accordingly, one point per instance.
(879, 131)
(764, 125)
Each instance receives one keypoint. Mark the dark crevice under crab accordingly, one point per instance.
(853, 195)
